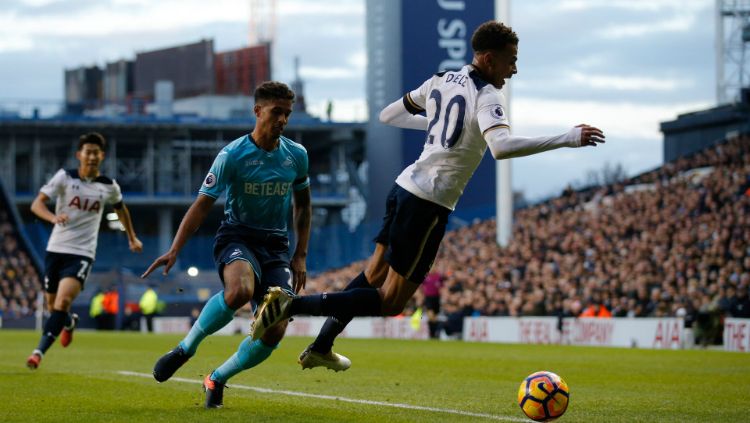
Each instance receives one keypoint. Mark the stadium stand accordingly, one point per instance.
(20, 269)
(674, 241)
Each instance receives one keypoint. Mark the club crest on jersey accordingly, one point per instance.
(93, 206)
(210, 180)
(496, 111)
(288, 162)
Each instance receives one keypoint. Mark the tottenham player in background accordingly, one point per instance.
(464, 116)
(80, 196)
(261, 173)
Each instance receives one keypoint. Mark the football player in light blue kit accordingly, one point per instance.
(260, 173)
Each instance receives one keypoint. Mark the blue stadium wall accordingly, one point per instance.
(331, 246)
(407, 41)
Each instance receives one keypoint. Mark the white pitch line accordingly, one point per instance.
(343, 399)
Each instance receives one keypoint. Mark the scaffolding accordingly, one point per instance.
(732, 37)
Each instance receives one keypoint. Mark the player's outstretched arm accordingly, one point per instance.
(503, 145)
(396, 114)
(302, 221)
(195, 215)
(123, 214)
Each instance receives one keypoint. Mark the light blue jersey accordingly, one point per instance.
(258, 183)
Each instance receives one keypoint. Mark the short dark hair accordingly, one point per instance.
(92, 138)
(493, 35)
(273, 90)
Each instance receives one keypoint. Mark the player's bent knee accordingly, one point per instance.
(275, 334)
(62, 304)
(237, 296)
(390, 308)
(376, 276)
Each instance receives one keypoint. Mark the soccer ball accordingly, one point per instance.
(543, 396)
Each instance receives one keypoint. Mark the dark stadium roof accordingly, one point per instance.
(296, 122)
(710, 117)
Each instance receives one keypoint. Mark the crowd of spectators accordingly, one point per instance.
(19, 278)
(671, 242)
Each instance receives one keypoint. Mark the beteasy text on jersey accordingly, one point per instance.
(267, 188)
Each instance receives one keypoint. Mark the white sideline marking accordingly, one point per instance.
(344, 399)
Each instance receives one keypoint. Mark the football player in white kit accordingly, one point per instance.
(80, 196)
(464, 116)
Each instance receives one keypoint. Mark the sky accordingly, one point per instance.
(621, 65)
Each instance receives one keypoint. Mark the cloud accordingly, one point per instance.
(38, 3)
(680, 23)
(123, 17)
(638, 18)
(637, 63)
(530, 115)
(628, 83)
(547, 174)
(344, 109)
(328, 8)
(328, 72)
(14, 42)
(640, 6)
(358, 60)
(357, 66)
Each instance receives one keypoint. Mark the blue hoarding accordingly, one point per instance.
(436, 36)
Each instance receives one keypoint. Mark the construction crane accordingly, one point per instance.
(262, 28)
(732, 38)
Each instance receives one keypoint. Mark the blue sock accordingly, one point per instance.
(248, 355)
(214, 316)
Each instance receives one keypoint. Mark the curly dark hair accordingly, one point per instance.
(493, 35)
(273, 90)
(92, 138)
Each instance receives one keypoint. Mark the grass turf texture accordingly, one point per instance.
(82, 383)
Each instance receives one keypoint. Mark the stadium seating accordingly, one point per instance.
(20, 270)
(674, 241)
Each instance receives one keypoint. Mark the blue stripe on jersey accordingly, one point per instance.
(478, 81)
(499, 125)
(411, 106)
(73, 173)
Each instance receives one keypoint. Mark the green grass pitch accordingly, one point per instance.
(104, 377)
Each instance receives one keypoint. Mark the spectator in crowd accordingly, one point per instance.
(19, 278)
(111, 306)
(96, 310)
(431, 286)
(596, 309)
(131, 317)
(706, 327)
(674, 241)
(740, 307)
(149, 303)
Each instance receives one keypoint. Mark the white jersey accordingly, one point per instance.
(461, 107)
(83, 201)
